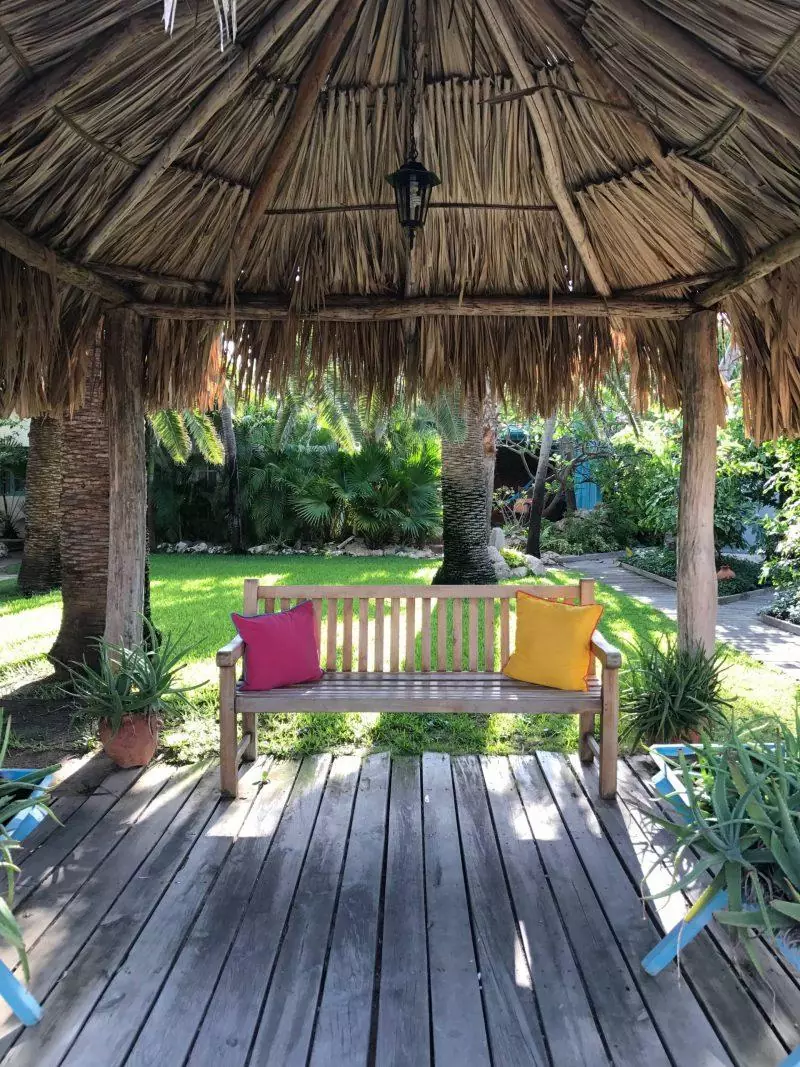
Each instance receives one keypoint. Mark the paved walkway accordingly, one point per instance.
(737, 623)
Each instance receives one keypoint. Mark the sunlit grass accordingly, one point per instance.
(195, 595)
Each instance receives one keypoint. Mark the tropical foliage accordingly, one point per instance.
(316, 470)
(747, 574)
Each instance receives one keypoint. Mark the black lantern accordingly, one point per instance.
(413, 182)
(412, 185)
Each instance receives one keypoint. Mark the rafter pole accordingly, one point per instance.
(42, 258)
(305, 101)
(548, 143)
(51, 87)
(358, 309)
(695, 56)
(768, 260)
(222, 90)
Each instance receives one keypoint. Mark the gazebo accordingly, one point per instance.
(614, 175)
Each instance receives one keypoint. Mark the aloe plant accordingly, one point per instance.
(743, 829)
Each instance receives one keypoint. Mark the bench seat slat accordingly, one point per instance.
(478, 693)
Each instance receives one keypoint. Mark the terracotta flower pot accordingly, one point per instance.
(135, 743)
(725, 573)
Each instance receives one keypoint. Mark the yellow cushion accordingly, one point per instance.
(552, 646)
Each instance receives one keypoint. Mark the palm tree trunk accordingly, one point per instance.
(490, 422)
(533, 547)
(464, 506)
(41, 558)
(84, 523)
(232, 479)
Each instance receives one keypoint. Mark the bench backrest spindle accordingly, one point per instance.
(351, 623)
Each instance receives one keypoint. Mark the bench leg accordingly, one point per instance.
(228, 760)
(609, 733)
(250, 726)
(585, 750)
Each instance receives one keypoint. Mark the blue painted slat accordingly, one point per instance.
(686, 930)
(24, 1005)
(25, 822)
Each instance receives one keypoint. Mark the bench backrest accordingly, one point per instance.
(409, 625)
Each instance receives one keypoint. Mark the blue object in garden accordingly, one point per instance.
(587, 492)
(25, 822)
(700, 915)
(24, 1005)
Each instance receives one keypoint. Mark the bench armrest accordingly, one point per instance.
(608, 655)
(229, 654)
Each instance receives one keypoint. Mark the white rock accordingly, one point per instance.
(200, 547)
(497, 537)
(494, 554)
(182, 547)
(519, 572)
(3, 550)
(551, 559)
(535, 566)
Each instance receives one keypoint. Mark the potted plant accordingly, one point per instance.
(671, 694)
(127, 691)
(739, 807)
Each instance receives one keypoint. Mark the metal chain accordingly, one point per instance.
(412, 89)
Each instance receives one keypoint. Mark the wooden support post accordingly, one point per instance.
(697, 580)
(587, 718)
(249, 718)
(228, 759)
(123, 364)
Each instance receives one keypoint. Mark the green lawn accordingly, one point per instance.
(195, 595)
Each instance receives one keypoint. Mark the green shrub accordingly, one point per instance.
(579, 532)
(513, 558)
(664, 562)
(671, 693)
(786, 605)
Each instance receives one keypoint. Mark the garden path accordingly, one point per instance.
(737, 623)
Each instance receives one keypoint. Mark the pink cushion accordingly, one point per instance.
(279, 649)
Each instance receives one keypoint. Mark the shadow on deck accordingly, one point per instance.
(466, 911)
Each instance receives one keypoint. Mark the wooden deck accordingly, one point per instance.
(464, 912)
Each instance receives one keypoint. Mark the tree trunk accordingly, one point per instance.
(84, 523)
(490, 421)
(697, 580)
(232, 479)
(533, 547)
(41, 559)
(464, 491)
(124, 367)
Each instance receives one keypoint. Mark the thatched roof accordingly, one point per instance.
(654, 150)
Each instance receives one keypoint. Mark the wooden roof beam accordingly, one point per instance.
(52, 86)
(37, 255)
(768, 260)
(548, 140)
(690, 51)
(310, 86)
(362, 309)
(220, 93)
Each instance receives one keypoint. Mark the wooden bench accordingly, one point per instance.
(401, 623)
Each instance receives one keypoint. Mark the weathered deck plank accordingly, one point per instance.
(345, 1016)
(92, 937)
(566, 1011)
(284, 1033)
(353, 913)
(612, 991)
(459, 1027)
(403, 1035)
(512, 1017)
(168, 1034)
(232, 1015)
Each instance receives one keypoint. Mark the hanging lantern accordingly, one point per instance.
(412, 184)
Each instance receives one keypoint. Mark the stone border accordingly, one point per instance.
(674, 585)
(617, 554)
(780, 624)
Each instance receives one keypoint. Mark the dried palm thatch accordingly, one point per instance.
(590, 158)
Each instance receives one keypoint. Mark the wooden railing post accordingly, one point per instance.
(697, 581)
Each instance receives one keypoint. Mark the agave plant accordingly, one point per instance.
(743, 828)
(672, 693)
